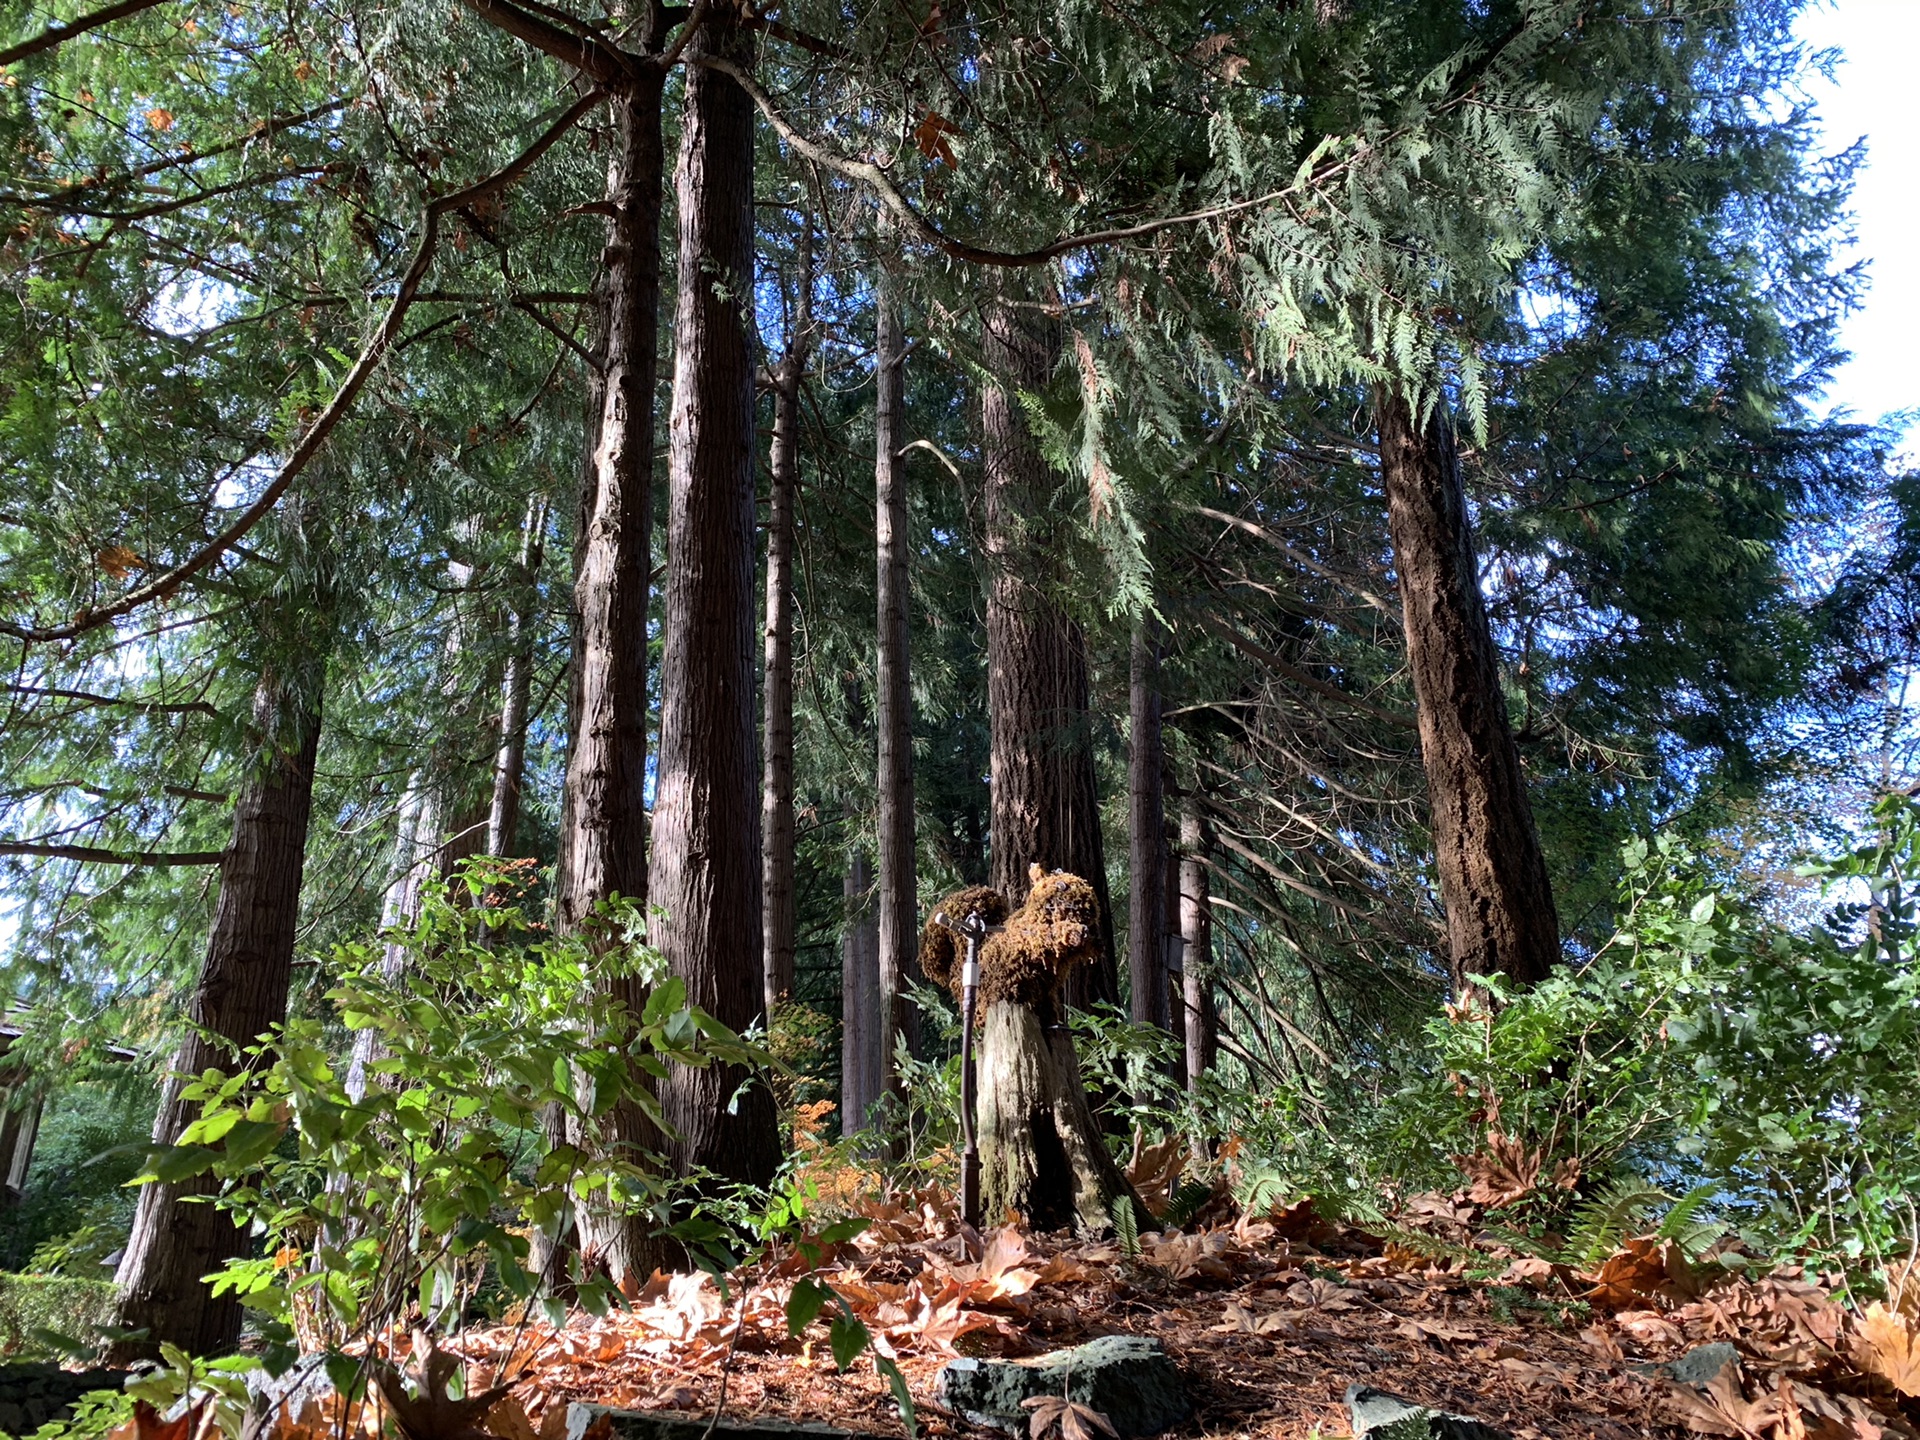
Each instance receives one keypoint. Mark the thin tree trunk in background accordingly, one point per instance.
(603, 841)
(899, 909)
(1201, 1020)
(1045, 793)
(776, 785)
(861, 1064)
(707, 804)
(417, 849)
(1493, 876)
(1146, 832)
(509, 760)
(242, 992)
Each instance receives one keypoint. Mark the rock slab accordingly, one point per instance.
(31, 1394)
(1380, 1416)
(1697, 1367)
(1127, 1378)
(683, 1425)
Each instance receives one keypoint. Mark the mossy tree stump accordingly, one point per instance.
(1041, 1152)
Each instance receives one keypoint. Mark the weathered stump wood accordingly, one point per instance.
(1041, 1152)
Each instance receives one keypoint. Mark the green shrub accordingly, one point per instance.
(40, 1312)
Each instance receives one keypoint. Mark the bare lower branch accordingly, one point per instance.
(309, 444)
(94, 855)
(145, 707)
(63, 31)
(591, 56)
(875, 178)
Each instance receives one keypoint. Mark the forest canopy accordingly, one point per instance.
(538, 543)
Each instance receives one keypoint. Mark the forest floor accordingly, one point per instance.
(1270, 1317)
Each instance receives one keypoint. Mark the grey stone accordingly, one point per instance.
(32, 1393)
(1127, 1378)
(1380, 1416)
(682, 1425)
(1697, 1367)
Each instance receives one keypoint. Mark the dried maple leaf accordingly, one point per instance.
(1238, 1319)
(1721, 1406)
(931, 136)
(1504, 1173)
(1644, 1266)
(1424, 1330)
(1155, 1170)
(1320, 1294)
(119, 561)
(1074, 1421)
(1886, 1344)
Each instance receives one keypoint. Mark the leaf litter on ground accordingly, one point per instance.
(1269, 1314)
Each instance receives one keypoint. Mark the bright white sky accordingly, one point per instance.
(1874, 96)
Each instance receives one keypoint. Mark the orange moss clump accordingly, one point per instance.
(941, 950)
(1057, 929)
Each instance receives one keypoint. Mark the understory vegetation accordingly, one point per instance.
(551, 556)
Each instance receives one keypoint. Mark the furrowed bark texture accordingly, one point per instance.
(707, 808)
(861, 1063)
(1493, 876)
(1146, 833)
(1041, 1153)
(603, 846)
(899, 918)
(776, 783)
(1201, 1021)
(1045, 795)
(242, 992)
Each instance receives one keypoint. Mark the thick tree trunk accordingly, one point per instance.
(1041, 1153)
(242, 993)
(862, 1066)
(1146, 831)
(1045, 795)
(1493, 877)
(707, 808)
(1201, 1022)
(603, 842)
(509, 760)
(776, 785)
(899, 909)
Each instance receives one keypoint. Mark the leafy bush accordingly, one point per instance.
(403, 1202)
(1768, 1073)
(41, 1316)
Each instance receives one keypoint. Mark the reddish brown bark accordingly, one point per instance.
(1493, 876)
(706, 862)
(241, 994)
(1045, 795)
(603, 841)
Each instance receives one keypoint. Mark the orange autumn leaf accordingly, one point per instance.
(160, 119)
(931, 136)
(119, 562)
(1887, 1345)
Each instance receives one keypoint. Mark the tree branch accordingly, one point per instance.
(309, 444)
(148, 707)
(603, 63)
(1253, 650)
(93, 855)
(923, 229)
(63, 31)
